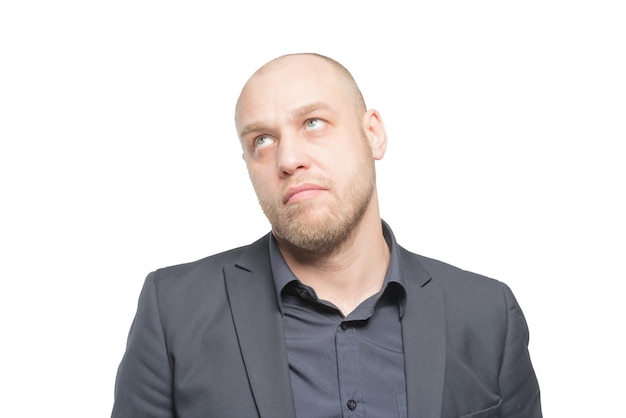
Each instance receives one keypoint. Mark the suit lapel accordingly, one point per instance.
(259, 328)
(423, 333)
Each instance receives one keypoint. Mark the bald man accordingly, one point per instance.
(326, 315)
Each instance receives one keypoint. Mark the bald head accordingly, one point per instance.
(309, 65)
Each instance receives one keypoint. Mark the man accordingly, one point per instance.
(326, 316)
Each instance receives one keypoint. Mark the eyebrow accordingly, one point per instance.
(309, 108)
(296, 113)
(253, 127)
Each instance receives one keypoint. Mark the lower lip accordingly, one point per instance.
(304, 195)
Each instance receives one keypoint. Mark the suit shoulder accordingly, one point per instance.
(471, 300)
(208, 267)
(456, 280)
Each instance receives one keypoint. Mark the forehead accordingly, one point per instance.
(289, 84)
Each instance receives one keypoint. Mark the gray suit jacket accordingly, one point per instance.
(207, 341)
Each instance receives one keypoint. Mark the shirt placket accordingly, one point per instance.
(350, 381)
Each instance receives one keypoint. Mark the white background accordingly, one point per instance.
(506, 123)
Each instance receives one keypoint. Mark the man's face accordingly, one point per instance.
(306, 151)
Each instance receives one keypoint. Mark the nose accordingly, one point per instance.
(292, 155)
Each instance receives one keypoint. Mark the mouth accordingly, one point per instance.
(300, 192)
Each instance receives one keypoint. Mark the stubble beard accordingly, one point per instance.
(322, 230)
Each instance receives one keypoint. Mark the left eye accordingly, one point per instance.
(314, 123)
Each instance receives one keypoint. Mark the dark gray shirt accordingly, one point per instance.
(344, 366)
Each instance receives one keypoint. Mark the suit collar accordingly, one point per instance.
(259, 328)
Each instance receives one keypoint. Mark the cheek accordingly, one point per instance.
(262, 182)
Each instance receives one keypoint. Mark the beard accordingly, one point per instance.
(323, 229)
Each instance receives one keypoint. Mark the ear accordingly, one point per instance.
(375, 132)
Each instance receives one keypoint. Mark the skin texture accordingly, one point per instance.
(309, 145)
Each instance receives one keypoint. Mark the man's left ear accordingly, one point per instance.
(375, 131)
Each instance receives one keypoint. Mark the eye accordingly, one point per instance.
(314, 123)
(263, 141)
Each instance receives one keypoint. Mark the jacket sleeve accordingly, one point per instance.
(518, 383)
(143, 387)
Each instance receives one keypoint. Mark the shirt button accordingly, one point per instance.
(351, 404)
(344, 326)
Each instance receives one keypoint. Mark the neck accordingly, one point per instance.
(350, 274)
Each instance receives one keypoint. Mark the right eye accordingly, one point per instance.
(263, 141)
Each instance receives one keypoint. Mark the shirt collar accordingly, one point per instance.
(283, 275)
